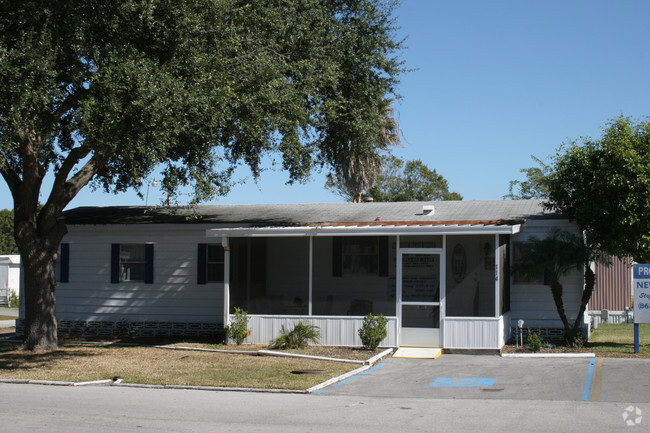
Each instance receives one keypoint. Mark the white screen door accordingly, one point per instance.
(420, 299)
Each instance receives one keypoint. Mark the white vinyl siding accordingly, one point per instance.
(533, 302)
(173, 297)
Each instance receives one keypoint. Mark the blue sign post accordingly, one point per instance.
(641, 282)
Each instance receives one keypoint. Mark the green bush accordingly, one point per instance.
(238, 328)
(535, 342)
(298, 337)
(373, 330)
(13, 299)
(578, 342)
(125, 330)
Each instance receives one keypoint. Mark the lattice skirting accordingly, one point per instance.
(123, 329)
(548, 334)
(544, 333)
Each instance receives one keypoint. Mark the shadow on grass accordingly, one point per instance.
(12, 358)
(625, 350)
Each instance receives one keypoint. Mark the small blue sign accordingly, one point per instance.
(465, 382)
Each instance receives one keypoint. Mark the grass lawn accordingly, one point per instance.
(608, 341)
(165, 367)
(7, 317)
(617, 341)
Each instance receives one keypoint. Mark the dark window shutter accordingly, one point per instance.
(383, 256)
(202, 264)
(115, 263)
(64, 262)
(148, 263)
(337, 256)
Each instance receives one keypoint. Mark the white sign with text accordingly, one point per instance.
(641, 284)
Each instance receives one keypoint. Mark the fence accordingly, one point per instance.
(612, 317)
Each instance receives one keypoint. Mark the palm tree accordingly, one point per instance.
(360, 161)
(556, 256)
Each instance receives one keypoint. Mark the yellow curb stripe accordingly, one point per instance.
(598, 381)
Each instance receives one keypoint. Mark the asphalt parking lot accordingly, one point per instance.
(494, 377)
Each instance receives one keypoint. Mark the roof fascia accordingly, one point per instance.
(506, 229)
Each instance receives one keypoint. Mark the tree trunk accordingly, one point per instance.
(38, 237)
(556, 291)
(590, 283)
(40, 302)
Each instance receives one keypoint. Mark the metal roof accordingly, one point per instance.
(446, 213)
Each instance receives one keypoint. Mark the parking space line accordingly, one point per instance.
(598, 381)
(586, 392)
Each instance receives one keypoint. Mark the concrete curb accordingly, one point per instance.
(338, 379)
(548, 355)
(314, 357)
(203, 349)
(379, 357)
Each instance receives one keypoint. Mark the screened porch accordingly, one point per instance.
(440, 289)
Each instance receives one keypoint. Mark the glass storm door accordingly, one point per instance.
(420, 299)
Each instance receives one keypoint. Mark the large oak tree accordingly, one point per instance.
(105, 92)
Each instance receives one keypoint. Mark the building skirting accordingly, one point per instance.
(126, 329)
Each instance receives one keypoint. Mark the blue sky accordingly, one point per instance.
(494, 82)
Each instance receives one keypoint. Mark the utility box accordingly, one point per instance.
(604, 315)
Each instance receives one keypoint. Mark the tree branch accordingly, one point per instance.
(69, 103)
(64, 189)
(10, 176)
(29, 186)
(83, 176)
(73, 158)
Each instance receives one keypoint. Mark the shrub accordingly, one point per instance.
(298, 337)
(13, 299)
(238, 328)
(125, 330)
(578, 342)
(373, 330)
(535, 342)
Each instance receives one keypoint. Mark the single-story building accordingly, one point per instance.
(9, 277)
(439, 271)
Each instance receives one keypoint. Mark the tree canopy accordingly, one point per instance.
(390, 178)
(534, 186)
(104, 93)
(604, 186)
(410, 181)
(7, 242)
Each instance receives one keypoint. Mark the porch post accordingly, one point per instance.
(497, 264)
(311, 271)
(226, 280)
